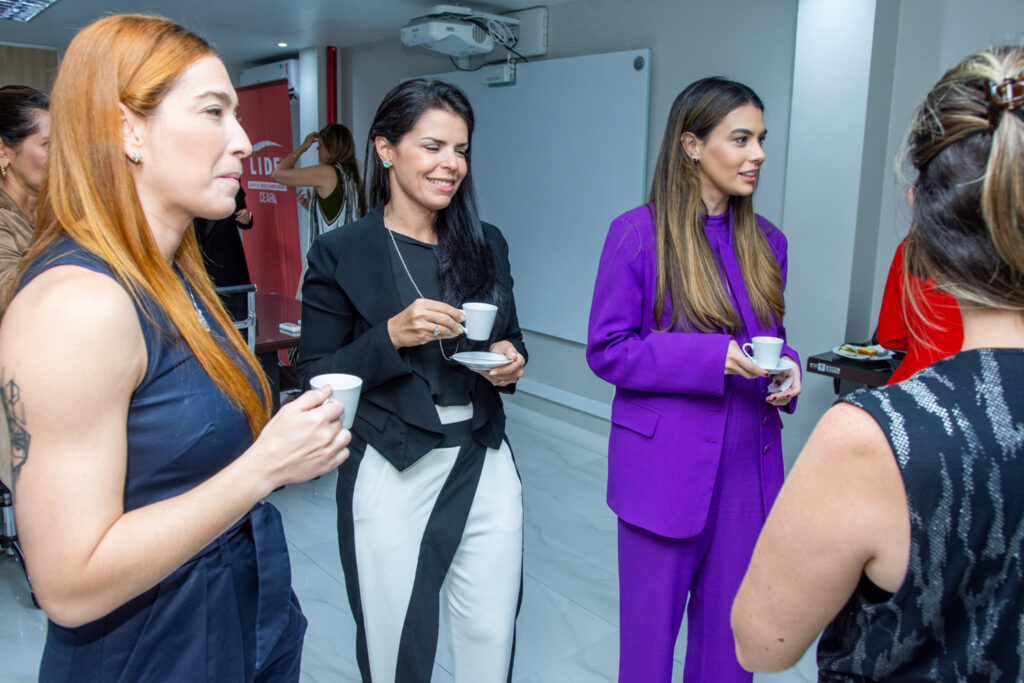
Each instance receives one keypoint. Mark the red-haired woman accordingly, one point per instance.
(131, 402)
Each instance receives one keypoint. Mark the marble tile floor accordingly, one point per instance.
(568, 626)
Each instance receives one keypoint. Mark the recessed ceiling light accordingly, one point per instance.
(22, 10)
(282, 44)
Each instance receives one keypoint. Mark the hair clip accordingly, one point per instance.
(1007, 95)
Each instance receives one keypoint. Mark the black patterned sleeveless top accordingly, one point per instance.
(957, 431)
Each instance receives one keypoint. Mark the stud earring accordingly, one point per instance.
(696, 160)
(137, 158)
(387, 165)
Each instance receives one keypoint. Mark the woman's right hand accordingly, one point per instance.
(738, 363)
(303, 440)
(309, 140)
(417, 324)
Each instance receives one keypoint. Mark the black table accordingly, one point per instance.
(870, 373)
(272, 310)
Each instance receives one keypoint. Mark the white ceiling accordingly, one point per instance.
(247, 30)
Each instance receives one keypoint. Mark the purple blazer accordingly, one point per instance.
(668, 415)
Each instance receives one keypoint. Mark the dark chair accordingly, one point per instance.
(240, 302)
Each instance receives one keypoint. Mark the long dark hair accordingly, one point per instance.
(468, 271)
(966, 143)
(687, 270)
(337, 142)
(18, 106)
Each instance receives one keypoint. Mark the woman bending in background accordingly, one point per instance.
(24, 139)
(695, 454)
(902, 520)
(132, 402)
(338, 190)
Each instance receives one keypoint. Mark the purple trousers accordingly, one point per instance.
(658, 574)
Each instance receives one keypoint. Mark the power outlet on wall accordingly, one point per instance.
(533, 31)
(494, 75)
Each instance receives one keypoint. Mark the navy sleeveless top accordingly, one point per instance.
(957, 431)
(181, 430)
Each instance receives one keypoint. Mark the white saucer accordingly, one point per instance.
(481, 360)
(774, 388)
(784, 364)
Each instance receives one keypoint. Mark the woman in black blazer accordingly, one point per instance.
(429, 504)
(221, 245)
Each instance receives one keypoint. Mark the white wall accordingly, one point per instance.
(851, 72)
(933, 35)
(747, 40)
(369, 71)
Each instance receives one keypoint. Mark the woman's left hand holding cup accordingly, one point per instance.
(504, 375)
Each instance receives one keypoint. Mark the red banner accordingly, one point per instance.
(272, 246)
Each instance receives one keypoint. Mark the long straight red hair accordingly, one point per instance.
(88, 193)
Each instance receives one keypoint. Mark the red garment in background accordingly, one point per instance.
(901, 327)
(272, 249)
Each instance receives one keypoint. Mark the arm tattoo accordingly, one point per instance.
(10, 395)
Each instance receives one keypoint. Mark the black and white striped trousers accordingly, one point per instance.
(447, 530)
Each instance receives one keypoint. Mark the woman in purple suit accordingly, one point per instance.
(695, 453)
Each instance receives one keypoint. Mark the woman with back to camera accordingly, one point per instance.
(902, 519)
(695, 453)
(24, 138)
(133, 404)
(338, 190)
(430, 505)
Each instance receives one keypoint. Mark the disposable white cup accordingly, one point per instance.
(345, 390)
(765, 351)
(479, 320)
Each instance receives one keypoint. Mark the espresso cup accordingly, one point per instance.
(765, 351)
(345, 390)
(479, 320)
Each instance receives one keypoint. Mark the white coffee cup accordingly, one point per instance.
(479, 320)
(345, 390)
(766, 351)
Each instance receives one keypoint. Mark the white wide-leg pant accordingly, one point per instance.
(401, 520)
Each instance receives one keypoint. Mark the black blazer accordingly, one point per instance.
(221, 247)
(348, 296)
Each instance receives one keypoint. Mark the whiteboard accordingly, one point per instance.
(555, 158)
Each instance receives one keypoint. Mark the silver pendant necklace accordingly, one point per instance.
(195, 305)
(391, 234)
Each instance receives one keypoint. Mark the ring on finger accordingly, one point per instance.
(500, 381)
(437, 330)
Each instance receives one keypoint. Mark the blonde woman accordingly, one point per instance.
(899, 529)
(132, 403)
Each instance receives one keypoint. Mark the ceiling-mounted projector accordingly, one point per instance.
(460, 31)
